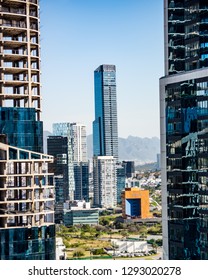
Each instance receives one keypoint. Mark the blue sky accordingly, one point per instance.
(79, 35)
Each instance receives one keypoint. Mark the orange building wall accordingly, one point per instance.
(136, 193)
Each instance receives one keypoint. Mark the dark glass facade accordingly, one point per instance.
(81, 179)
(187, 35)
(187, 167)
(184, 134)
(36, 243)
(21, 128)
(57, 146)
(121, 181)
(105, 131)
(129, 168)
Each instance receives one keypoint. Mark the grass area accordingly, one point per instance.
(84, 241)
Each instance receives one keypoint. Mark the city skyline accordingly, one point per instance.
(85, 35)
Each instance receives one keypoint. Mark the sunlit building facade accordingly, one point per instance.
(184, 134)
(135, 204)
(105, 181)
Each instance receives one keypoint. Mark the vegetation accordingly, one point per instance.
(83, 241)
(98, 251)
(78, 253)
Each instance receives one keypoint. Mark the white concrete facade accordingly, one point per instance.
(105, 181)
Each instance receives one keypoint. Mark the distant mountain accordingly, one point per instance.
(141, 150)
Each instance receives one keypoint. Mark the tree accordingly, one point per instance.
(154, 246)
(98, 251)
(124, 233)
(78, 253)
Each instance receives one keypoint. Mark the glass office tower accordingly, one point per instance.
(184, 133)
(81, 179)
(105, 130)
(57, 146)
(27, 229)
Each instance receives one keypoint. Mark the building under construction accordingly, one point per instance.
(27, 229)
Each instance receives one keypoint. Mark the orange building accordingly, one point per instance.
(135, 203)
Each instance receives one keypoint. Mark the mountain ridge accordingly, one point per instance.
(135, 148)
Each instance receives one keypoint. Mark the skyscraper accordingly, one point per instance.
(184, 135)
(64, 130)
(105, 127)
(78, 166)
(79, 142)
(105, 136)
(57, 146)
(105, 181)
(27, 229)
(80, 162)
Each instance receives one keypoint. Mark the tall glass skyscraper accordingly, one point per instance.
(105, 127)
(184, 130)
(105, 137)
(27, 229)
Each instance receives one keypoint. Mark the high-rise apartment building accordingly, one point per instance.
(105, 181)
(27, 229)
(184, 134)
(105, 128)
(77, 134)
(80, 161)
(79, 142)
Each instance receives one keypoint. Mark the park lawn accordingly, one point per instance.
(74, 244)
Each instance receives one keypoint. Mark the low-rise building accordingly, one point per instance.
(130, 246)
(79, 212)
(135, 204)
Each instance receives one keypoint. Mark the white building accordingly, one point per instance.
(79, 142)
(60, 249)
(105, 181)
(77, 134)
(130, 246)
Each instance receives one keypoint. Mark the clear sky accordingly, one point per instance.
(79, 35)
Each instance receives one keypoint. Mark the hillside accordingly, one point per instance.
(141, 150)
